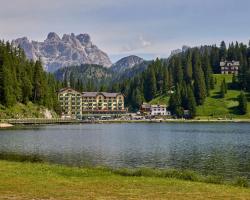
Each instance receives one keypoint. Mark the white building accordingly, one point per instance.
(230, 67)
(159, 110)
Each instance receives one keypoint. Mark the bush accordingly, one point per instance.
(214, 179)
(241, 182)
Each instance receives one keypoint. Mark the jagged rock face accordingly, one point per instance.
(177, 51)
(126, 63)
(56, 52)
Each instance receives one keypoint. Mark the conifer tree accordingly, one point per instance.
(39, 83)
(223, 88)
(150, 85)
(199, 80)
(189, 68)
(191, 102)
(223, 51)
(242, 103)
(207, 72)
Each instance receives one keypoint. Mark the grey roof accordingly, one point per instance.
(158, 106)
(94, 94)
(67, 88)
(89, 94)
(145, 105)
(106, 94)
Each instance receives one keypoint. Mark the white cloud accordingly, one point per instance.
(144, 43)
(137, 44)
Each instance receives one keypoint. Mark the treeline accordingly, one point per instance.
(85, 77)
(22, 80)
(186, 77)
(238, 52)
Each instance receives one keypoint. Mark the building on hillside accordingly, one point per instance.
(161, 110)
(75, 104)
(230, 67)
(145, 108)
(154, 110)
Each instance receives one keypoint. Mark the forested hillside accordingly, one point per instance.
(85, 77)
(188, 76)
(95, 77)
(23, 81)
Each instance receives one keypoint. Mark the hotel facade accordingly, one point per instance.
(76, 104)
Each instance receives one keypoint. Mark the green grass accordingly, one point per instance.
(22, 111)
(42, 181)
(217, 107)
(160, 100)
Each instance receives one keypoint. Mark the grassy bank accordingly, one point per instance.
(217, 107)
(41, 181)
(28, 110)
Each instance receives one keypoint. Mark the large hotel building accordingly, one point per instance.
(76, 104)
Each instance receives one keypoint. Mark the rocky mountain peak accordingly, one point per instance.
(53, 36)
(84, 38)
(69, 50)
(126, 63)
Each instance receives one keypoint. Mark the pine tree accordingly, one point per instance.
(242, 103)
(39, 83)
(207, 72)
(175, 102)
(223, 51)
(189, 68)
(223, 89)
(137, 98)
(178, 71)
(199, 80)
(150, 85)
(191, 102)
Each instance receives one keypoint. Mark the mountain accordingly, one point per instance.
(70, 50)
(131, 72)
(126, 63)
(98, 75)
(177, 51)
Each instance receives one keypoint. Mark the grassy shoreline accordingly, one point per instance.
(22, 180)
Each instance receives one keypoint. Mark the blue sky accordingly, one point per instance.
(148, 28)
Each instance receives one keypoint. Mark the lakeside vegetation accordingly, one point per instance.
(41, 181)
(216, 106)
(28, 110)
(23, 81)
(187, 80)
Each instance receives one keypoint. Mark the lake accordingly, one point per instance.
(209, 148)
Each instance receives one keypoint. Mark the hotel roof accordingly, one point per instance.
(94, 94)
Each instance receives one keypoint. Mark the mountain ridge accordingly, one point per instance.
(56, 52)
(126, 63)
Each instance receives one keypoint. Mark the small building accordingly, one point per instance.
(159, 110)
(186, 113)
(230, 67)
(145, 108)
(154, 110)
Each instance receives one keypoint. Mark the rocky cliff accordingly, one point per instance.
(126, 63)
(56, 52)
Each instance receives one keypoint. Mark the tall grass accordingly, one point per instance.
(187, 175)
(21, 158)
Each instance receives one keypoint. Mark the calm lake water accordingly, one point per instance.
(216, 148)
